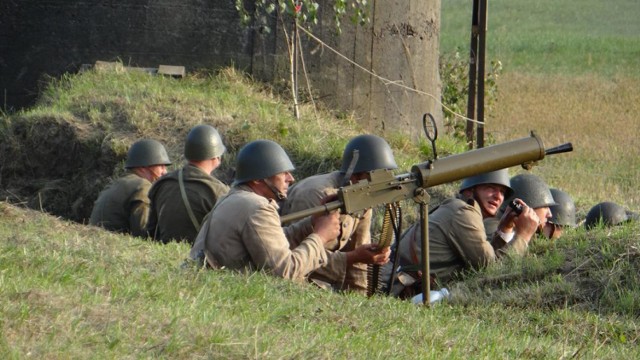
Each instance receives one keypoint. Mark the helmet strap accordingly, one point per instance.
(554, 228)
(477, 199)
(352, 166)
(279, 195)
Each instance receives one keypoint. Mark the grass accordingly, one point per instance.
(71, 290)
(570, 73)
(551, 37)
(134, 104)
(597, 115)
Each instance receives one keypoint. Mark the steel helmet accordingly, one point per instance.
(261, 159)
(373, 153)
(565, 212)
(146, 152)
(499, 177)
(532, 190)
(609, 214)
(203, 143)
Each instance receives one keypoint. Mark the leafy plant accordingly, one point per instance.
(454, 73)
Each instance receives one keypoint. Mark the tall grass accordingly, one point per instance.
(599, 116)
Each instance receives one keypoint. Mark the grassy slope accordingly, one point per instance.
(71, 291)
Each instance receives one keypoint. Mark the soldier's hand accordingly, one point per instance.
(327, 225)
(369, 254)
(527, 223)
(507, 222)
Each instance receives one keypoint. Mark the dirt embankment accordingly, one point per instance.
(55, 164)
(59, 164)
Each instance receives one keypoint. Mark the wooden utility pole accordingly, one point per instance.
(475, 102)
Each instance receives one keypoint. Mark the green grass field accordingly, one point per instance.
(552, 37)
(73, 291)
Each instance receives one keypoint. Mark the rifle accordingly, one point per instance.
(383, 187)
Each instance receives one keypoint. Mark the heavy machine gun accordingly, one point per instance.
(383, 187)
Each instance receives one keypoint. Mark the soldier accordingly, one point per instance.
(533, 191)
(124, 205)
(181, 199)
(244, 232)
(608, 214)
(563, 215)
(352, 250)
(457, 238)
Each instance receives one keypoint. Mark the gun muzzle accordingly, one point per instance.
(566, 147)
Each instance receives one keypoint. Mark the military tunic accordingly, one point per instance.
(457, 240)
(354, 231)
(244, 232)
(168, 218)
(123, 206)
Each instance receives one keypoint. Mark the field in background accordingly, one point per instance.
(550, 36)
(599, 116)
(571, 73)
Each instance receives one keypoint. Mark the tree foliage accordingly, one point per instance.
(304, 11)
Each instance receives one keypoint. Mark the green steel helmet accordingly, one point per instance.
(498, 177)
(203, 143)
(261, 159)
(609, 214)
(146, 152)
(532, 190)
(373, 153)
(565, 212)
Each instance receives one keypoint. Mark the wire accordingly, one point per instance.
(385, 81)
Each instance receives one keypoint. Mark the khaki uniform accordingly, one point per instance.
(355, 231)
(457, 241)
(168, 218)
(123, 206)
(491, 226)
(243, 232)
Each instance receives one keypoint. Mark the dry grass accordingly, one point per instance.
(597, 115)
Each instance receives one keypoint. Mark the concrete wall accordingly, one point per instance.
(52, 37)
(56, 36)
(396, 52)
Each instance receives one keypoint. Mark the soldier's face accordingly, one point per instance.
(544, 214)
(552, 231)
(490, 197)
(156, 171)
(151, 173)
(282, 181)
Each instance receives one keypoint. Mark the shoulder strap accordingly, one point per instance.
(185, 200)
(352, 165)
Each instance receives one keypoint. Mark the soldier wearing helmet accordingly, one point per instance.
(457, 237)
(608, 214)
(532, 191)
(181, 199)
(350, 253)
(124, 205)
(244, 232)
(563, 215)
